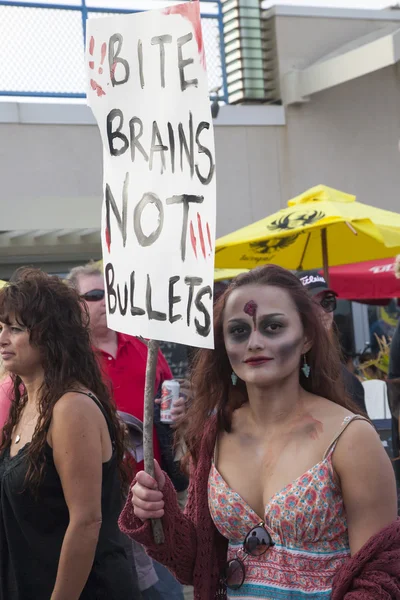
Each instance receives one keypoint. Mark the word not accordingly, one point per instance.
(122, 298)
(149, 198)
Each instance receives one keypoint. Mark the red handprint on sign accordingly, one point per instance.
(93, 84)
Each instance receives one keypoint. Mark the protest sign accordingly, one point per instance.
(147, 87)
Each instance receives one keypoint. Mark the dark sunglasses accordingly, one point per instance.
(327, 302)
(257, 542)
(93, 295)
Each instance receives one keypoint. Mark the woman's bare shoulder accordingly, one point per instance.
(75, 405)
(327, 409)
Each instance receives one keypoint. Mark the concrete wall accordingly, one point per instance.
(248, 175)
(51, 174)
(305, 35)
(348, 138)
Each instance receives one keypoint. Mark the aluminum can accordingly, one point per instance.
(169, 395)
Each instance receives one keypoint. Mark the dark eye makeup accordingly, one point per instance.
(273, 326)
(239, 329)
(268, 325)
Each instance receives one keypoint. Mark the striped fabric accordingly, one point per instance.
(307, 523)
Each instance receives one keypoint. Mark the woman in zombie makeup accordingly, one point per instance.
(287, 480)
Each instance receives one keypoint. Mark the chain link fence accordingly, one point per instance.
(42, 46)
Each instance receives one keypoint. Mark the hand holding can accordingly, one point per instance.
(179, 409)
(169, 395)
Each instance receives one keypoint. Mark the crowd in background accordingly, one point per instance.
(275, 395)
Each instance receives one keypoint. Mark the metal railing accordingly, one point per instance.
(42, 46)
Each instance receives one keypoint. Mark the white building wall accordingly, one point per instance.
(52, 174)
(348, 138)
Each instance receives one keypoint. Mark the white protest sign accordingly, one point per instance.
(147, 87)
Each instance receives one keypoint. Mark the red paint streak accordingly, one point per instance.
(114, 66)
(193, 239)
(250, 308)
(97, 88)
(209, 236)
(191, 11)
(91, 50)
(108, 239)
(103, 55)
(201, 236)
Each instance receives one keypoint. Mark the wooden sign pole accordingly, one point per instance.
(148, 424)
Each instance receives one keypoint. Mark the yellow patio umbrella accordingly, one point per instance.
(321, 227)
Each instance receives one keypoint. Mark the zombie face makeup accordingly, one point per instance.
(263, 334)
(250, 308)
(285, 350)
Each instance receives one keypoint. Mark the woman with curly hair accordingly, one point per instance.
(288, 482)
(61, 458)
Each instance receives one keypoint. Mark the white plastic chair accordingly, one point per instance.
(376, 399)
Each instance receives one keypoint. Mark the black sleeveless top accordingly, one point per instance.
(32, 532)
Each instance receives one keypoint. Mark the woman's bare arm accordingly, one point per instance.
(367, 482)
(78, 456)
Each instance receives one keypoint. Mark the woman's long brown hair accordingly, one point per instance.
(213, 391)
(58, 325)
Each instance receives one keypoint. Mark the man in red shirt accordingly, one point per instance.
(123, 356)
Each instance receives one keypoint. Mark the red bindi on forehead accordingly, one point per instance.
(250, 308)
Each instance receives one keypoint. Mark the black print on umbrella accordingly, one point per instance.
(295, 220)
(310, 218)
(284, 223)
(268, 247)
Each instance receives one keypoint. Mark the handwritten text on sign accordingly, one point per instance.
(147, 87)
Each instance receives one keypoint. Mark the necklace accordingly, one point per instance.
(23, 423)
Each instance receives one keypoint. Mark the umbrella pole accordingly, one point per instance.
(300, 267)
(324, 242)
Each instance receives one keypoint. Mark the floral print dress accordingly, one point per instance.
(307, 523)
